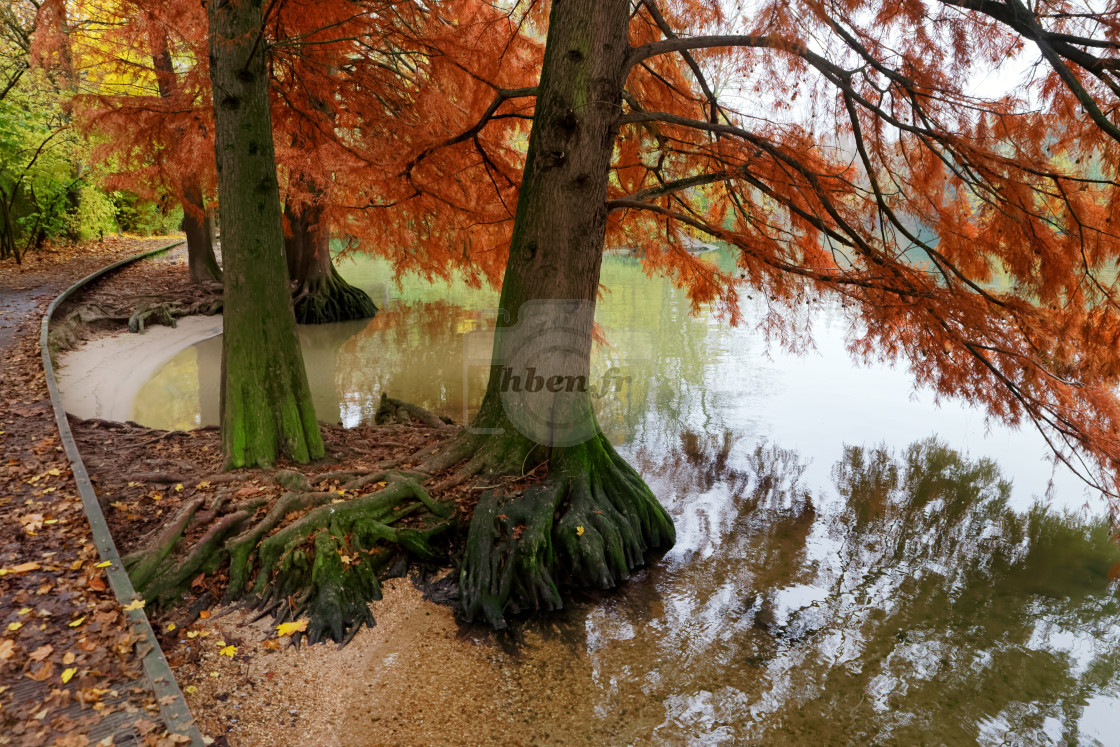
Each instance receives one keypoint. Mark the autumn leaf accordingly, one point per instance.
(41, 653)
(67, 674)
(43, 672)
(105, 564)
(76, 623)
(97, 583)
(579, 531)
(136, 604)
(21, 568)
(15, 626)
(285, 629)
(204, 614)
(170, 627)
(68, 658)
(228, 651)
(7, 649)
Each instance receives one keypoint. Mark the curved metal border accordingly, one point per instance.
(173, 707)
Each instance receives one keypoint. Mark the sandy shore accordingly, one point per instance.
(416, 678)
(100, 378)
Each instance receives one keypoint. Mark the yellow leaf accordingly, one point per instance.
(156, 496)
(228, 651)
(579, 531)
(298, 626)
(342, 492)
(24, 567)
(15, 626)
(203, 485)
(53, 472)
(381, 484)
(67, 674)
(76, 565)
(345, 559)
(136, 604)
(76, 623)
(51, 521)
(170, 627)
(106, 564)
(213, 674)
(25, 611)
(190, 689)
(179, 488)
(192, 634)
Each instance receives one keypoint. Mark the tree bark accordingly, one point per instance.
(266, 402)
(200, 241)
(594, 518)
(321, 295)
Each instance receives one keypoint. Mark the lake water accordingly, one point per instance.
(840, 577)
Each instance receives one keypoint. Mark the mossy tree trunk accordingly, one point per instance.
(321, 295)
(266, 403)
(200, 241)
(594, 518)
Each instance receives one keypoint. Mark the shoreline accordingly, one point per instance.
(101, 377)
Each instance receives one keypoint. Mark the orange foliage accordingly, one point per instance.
(846, 153)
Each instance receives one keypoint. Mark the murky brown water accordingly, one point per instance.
(819, 592)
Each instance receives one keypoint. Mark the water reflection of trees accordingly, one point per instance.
(413, 351)
(912, 607)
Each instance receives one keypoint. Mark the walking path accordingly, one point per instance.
(70, 664)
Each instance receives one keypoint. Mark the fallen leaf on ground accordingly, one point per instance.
(21, 568)
(67, 674)
(299, 626)
(204, 614)
(105, 564)
(44, 671)
(228, 651)
(7, 649)
(135, 604)
(76, 623)
(41, 653)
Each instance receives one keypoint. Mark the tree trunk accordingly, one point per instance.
(200, 241)
(321, 295)
(594, 518)
(266, 403)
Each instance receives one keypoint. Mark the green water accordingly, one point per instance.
(840, 578)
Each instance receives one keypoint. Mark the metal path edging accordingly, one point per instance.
(173, 707)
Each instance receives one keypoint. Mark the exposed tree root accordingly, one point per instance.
(588, 525)
(325, 564)
(395, 411)
(328, 298)
(322, 553)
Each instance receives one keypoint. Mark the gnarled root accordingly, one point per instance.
(588, 525)
(329, 298)
(325, 564)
